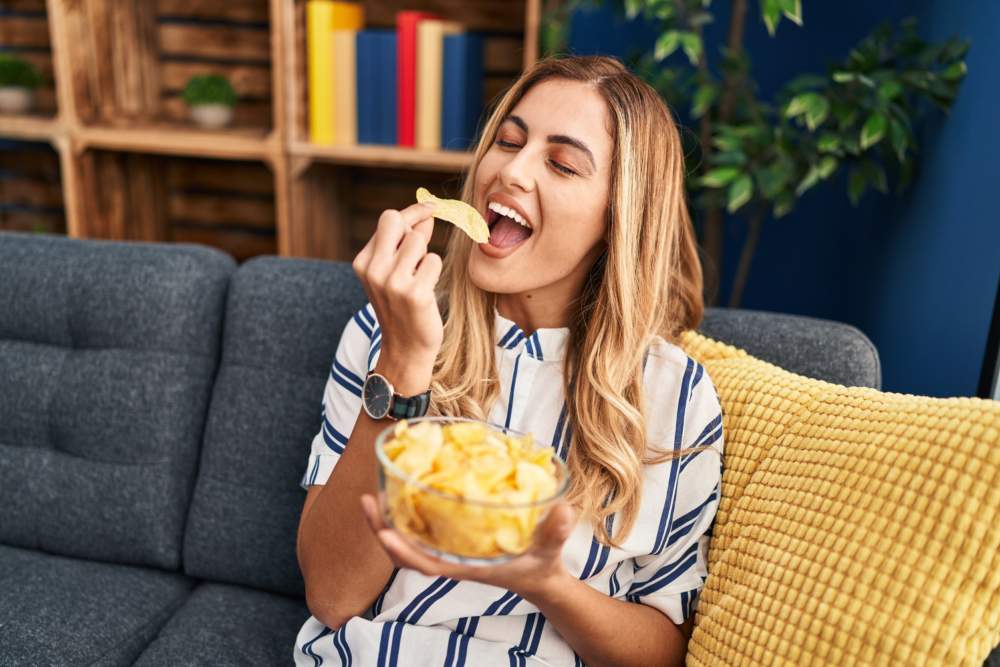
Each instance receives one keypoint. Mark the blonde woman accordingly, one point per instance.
(563, 325)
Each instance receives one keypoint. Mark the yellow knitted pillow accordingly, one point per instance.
(855, 526)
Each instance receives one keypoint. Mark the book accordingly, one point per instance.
(406, 73)
(376, 86)
(387, 80)
(345, 121)
(462, 90)
(430, 57)
(323, 17)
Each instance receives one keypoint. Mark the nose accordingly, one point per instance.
(517, 172)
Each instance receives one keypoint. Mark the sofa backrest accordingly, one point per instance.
(107, 356)
(284, 319)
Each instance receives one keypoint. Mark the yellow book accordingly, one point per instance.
(345, 88)
(319, 56)
(322, 18)
(430, 64)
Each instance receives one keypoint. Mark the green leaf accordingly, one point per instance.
(827, 166)
(793, 10)
(817, 111)
(703, 98)
(899, 138)
(727, 143)
(873, 130)
(691, 43)
(811, 179)
(720, 176)
(889, 91)
(954, 71)
(666, 44)
(770, 11)
(783, 205)
(739, 193)
(828, 143)
(738, 158)
(632, 8)
(856, 184)
(772, 179)
(799, 104)
(844, 77)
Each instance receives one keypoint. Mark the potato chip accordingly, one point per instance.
(468, 461)
(459, 214)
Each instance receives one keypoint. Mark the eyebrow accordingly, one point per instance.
(557, 139)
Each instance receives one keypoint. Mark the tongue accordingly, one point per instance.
(506, 233)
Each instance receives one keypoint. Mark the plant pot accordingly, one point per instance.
(16, 99)
(212, 116)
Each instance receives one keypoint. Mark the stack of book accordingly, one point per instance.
(420, 85)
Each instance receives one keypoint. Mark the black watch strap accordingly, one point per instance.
(410, 407)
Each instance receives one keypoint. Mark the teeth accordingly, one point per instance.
(509, 212)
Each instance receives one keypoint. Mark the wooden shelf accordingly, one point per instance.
(385, 156)
(129, 166)
(28, 128)
(192, 142)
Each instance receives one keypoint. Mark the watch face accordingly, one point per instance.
(377, 396)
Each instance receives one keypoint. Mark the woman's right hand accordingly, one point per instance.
(399, 276)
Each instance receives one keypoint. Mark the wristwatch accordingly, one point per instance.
(380, 400)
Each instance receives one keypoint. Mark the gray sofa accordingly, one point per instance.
(156, 408)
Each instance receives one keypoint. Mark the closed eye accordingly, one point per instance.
(563, 169)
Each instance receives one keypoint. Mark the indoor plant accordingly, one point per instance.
(211, 99)
(18, 80)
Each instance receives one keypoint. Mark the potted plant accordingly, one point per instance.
(211, 99)
(18, 80)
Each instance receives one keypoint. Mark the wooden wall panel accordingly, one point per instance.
(30, 190)
(24, 32)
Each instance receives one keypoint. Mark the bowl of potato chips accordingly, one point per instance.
(465, 490)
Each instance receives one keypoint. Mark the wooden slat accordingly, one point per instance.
(30, 192)
(24, 5)
(245, 114)
(147, 218)
(32, 221)
(247, 80)
(493, 89)
(40, 59)
(251, 11)
(503, 55)
(226, 43)
(226, 210)
(37, 164)
(202, 175)
(483, 15)
(241, 245)
(25, 31)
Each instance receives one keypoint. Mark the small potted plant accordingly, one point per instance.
(211, 99)
(18, 80)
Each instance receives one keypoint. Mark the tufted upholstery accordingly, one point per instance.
(107, 355)
(283, 322)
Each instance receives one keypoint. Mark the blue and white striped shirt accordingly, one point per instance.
(421, 620)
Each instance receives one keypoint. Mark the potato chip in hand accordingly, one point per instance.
(458, 213)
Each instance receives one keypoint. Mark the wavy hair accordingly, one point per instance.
(647, 283)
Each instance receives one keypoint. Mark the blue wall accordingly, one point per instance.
(916, 273)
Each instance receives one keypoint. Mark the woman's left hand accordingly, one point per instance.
(541, 566)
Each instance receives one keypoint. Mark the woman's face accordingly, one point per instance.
(550, 161)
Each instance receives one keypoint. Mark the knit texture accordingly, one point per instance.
(855, 526)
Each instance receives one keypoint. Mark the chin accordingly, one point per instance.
(489, 280)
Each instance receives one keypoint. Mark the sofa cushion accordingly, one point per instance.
(56, 610)
(284, 319)
(223, 625)
(107, 354)
(855, 526)
(816, 348)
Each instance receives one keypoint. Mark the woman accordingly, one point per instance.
(563, 325)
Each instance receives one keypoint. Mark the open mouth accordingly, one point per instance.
(505, 232)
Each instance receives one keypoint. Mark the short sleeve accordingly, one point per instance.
(341, 404)
(671, 576)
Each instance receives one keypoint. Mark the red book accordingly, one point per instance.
(406, 73)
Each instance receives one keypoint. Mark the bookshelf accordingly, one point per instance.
(115, 157)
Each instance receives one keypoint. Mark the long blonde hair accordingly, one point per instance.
(647, 283)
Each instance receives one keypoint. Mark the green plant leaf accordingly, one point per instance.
(666, 44)
(873, 130)
(856, 184)
(727, 142)
(783, 205)
(793, 10)
(889, 91)
(739, 193)
(799, 104)
(770, 11)
(691, 43)
(844, 77)
(828, 143)
(955, 71)
(727, 158)
(632, 8)
(818, 108)
(703, 98)
(772, 179)
(827, 166)
(811, 179)
(720, 176)
(899, 138)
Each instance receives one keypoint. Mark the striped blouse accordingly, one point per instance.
(421, 620)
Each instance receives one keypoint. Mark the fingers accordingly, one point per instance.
(556, 529)
(428, 272)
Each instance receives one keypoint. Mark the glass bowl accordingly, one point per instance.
(455, 526)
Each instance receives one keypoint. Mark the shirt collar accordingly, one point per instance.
(543, 344)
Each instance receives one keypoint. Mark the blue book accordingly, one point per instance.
(385, 77)
(367, 82)
(462, 90)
